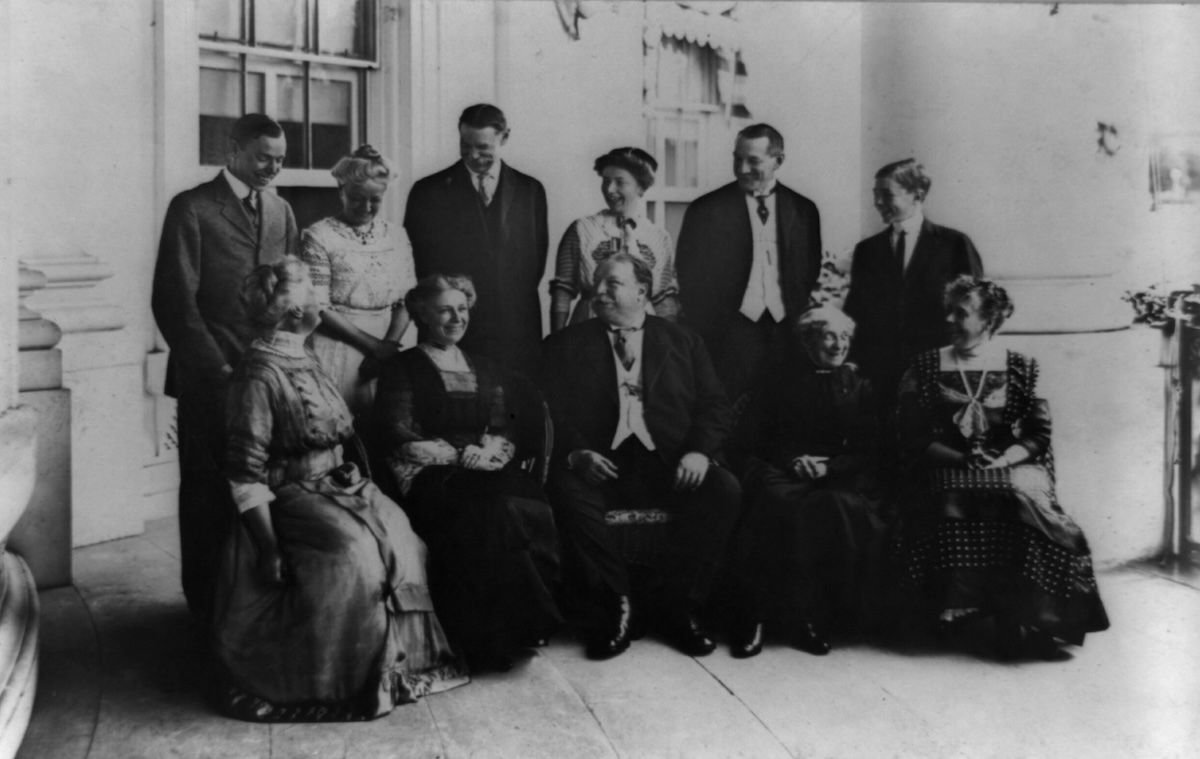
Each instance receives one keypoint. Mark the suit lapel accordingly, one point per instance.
(925, 243)
(603, 358)
(504, 194)
(233, 211)
(785, 217)
(462, 185)
(654, 355)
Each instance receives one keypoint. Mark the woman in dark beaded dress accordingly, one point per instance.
(984, 533)
(810, 544)
(449, 424)
(322, 609)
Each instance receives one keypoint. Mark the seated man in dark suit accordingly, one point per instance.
(639, 417)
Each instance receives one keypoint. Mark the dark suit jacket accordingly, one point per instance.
(716, 250)
(899, 318)
(449, 233)
(684, 404)
(209, 245)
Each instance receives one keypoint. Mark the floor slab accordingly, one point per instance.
(121, 675)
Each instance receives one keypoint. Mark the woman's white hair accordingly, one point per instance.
(816, 319)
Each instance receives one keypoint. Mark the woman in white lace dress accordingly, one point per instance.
(361, 267)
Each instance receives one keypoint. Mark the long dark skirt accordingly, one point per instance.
(493, 552)
(1011, 552)
(811, 550)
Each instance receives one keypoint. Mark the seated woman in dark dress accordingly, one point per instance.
(984, 533)
(447, 421)
(301, 630)
(809, 547)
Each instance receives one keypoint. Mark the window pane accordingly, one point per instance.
(219, 19)
(343, 26)
(220, 106)
(289, 112)
(682, 152)
(331, 121)
(280, 23)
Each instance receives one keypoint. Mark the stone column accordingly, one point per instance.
(18, 436)
(42, 537)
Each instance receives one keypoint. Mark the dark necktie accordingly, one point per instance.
(624, 351)
(625, 241)
(251, 204)
(485, 189)
(899, 252)
(763, 213)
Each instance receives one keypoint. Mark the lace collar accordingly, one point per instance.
(283, 343)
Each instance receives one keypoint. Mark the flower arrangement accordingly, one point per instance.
(1160, 310)
(833, 281)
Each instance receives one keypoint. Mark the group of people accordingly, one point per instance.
(336, 490)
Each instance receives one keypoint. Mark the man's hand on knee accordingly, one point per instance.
(691, 471)
(593, 467)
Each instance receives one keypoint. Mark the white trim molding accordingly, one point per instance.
(69, 298)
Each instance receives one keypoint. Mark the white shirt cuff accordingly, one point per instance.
(250, 495)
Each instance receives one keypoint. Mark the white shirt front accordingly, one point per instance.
(763, 292)
(912, 228)
(631, 419)
(240, 188)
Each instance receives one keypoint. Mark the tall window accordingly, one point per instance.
(690, 118)
(305, 63)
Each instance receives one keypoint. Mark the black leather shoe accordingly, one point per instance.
(808, 638)
(613, 637)
(691, 638)
(746, 639)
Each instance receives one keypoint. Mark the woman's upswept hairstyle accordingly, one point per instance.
(994, 304)
(260, 290)
(363, 165)
(636, 161)
(418, 299)
(908, 174)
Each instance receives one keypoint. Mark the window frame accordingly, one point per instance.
(666, 117)
(273, 61)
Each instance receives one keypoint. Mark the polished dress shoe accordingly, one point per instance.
(808, 638)
(691, 638)
(613, 638)
(746, 640)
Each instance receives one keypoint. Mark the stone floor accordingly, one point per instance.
(120, 673)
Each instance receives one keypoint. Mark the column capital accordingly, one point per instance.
(68, 296)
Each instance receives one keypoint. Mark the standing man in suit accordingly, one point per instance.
(898, 276)
(639, 417)
(748, 258)
(213, 237)
(483, 218)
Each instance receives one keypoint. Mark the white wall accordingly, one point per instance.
(999, 101)
(8, 257)
(84, 183)
(1001, 104)
(806, 79)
